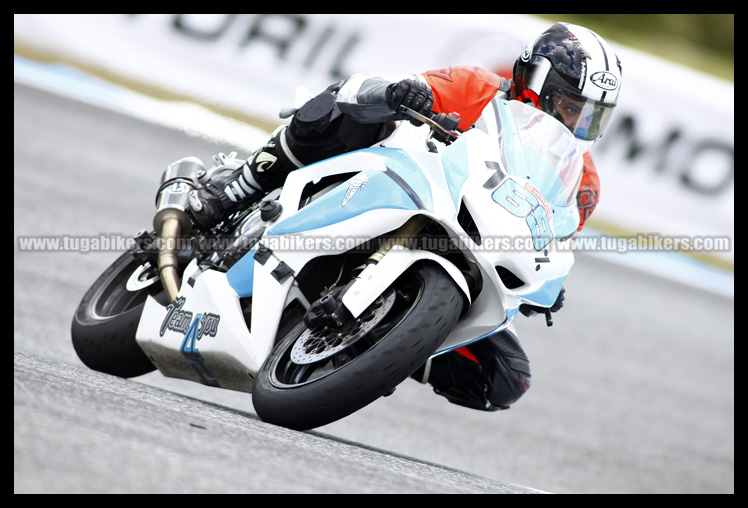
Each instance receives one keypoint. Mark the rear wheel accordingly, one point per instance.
(104, 326)
(315, 377)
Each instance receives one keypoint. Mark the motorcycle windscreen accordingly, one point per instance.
(541, 150)
(543, 161)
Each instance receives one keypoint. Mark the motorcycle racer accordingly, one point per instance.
(567, 71)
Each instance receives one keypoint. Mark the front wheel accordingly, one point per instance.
(315, 377)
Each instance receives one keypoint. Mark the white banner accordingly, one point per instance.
(666, 162)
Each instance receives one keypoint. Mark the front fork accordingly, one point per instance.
(380, 272)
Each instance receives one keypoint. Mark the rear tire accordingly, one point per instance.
(425, 308)
(104, 326)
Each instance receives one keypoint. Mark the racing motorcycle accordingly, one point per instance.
(338, 286)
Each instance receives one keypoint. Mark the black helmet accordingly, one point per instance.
(571, 73)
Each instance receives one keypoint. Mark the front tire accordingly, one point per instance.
(303, 388)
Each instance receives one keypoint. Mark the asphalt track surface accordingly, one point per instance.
(632, 388)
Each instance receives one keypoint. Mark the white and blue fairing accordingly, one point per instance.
(393, 181)
(523, 182)
(515, 194)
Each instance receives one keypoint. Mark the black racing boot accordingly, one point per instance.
(226, 194)
(316, 132)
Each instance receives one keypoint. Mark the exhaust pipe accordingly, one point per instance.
(171, 218)
(170, 226)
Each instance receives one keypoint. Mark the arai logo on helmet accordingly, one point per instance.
(604, 80)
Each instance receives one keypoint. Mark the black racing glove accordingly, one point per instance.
(411, 94)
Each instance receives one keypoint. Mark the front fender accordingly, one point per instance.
(375, 278)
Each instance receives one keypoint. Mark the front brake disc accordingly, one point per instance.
(315, 345)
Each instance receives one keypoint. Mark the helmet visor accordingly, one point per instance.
(585, 118)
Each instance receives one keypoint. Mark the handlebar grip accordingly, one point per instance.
(442, 124)
(448, 121)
